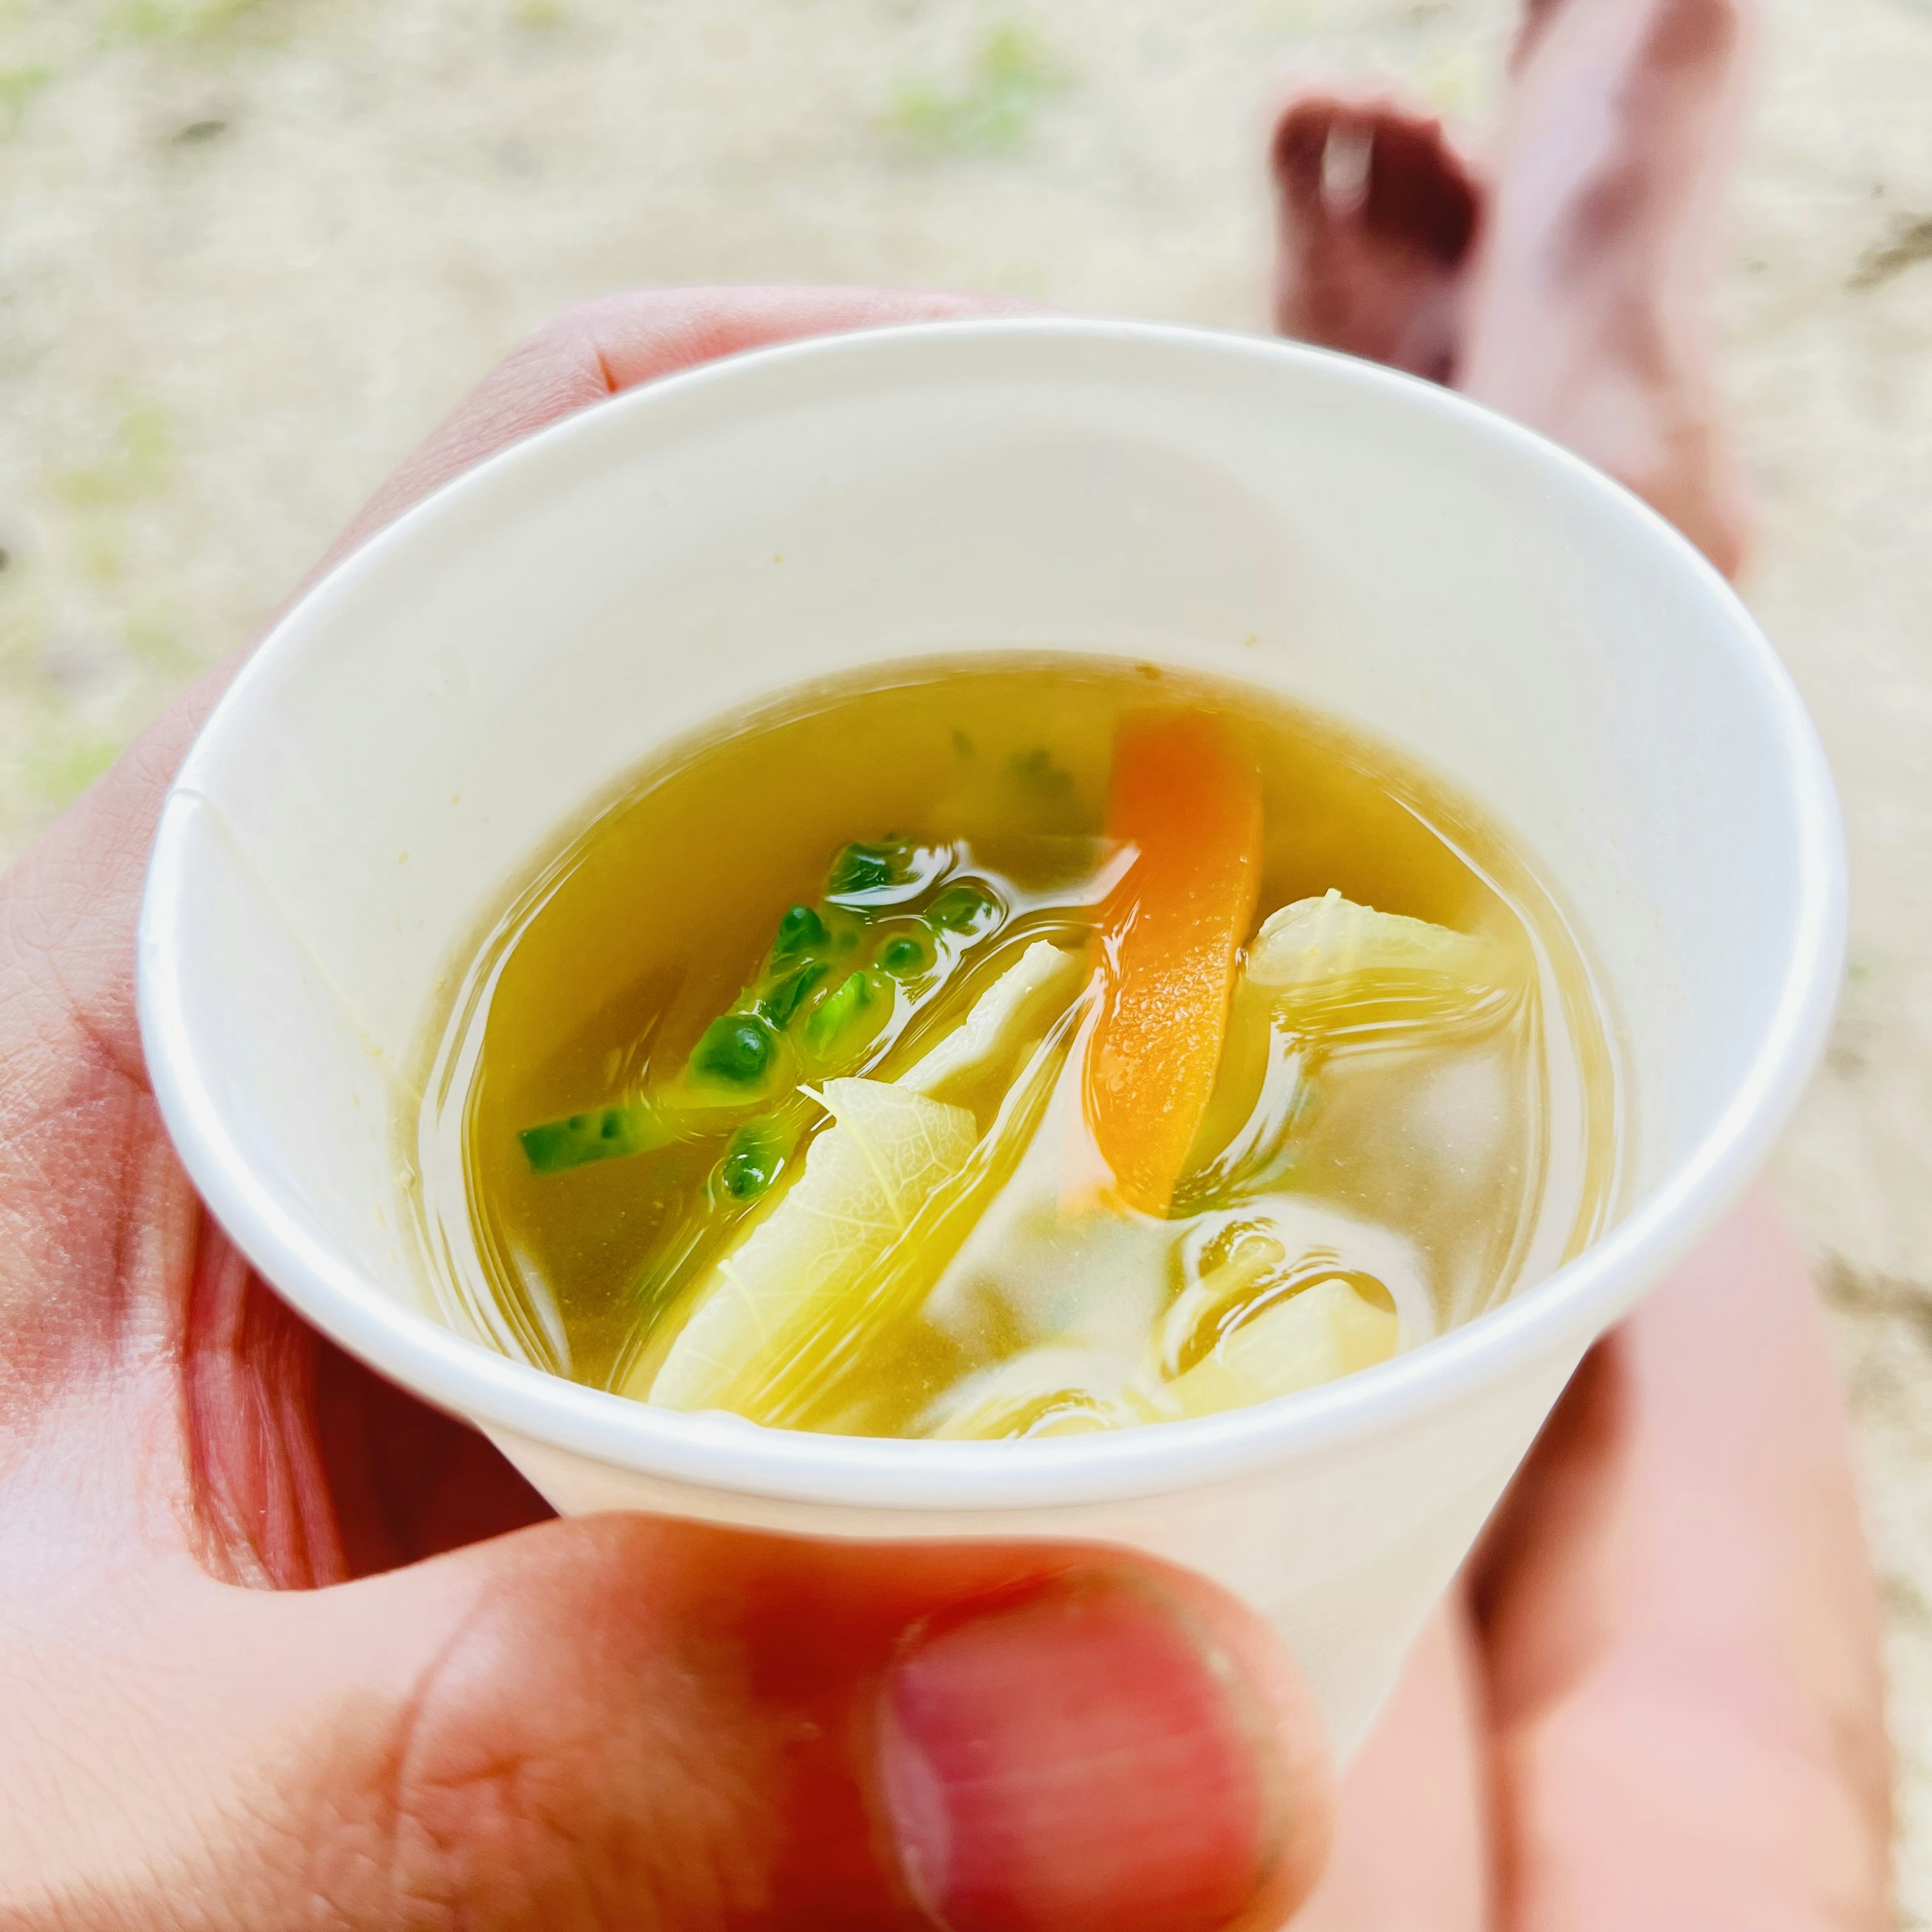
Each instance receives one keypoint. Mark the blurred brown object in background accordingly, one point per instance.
(1378, 218)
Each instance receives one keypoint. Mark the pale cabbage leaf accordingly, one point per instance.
(1019, 1003)
(1315, 940)
(1325, 1332)
(1329, 966)
(889, 1150)
(1084, 1290)
(1059, 1389)
(1308, 1241)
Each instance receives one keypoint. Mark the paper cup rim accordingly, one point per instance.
(1561, 1313)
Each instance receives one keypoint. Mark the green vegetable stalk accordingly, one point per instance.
(815, 1004)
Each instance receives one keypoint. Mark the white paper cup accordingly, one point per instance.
(426, 719)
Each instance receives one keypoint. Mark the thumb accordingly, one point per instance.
(618, 1722)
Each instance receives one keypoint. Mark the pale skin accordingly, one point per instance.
(279, 1648)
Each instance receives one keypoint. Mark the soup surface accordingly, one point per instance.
(1008, 1047)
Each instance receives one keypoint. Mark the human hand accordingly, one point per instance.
(279, 1647)
(626, 1723)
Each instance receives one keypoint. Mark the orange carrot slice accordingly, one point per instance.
(1187, 797)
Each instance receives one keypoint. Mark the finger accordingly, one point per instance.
(1681, 1627)
(619, 1723)
(613, 343)
(303, 1468)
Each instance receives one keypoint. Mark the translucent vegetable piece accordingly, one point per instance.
(1054, 1390)
(1019, 1003)
(1335, 967)
(1324, 1332)
(1061, 1388)
(865, 1178)
(830, 1379)
(1232, 1259)
(1315, 940)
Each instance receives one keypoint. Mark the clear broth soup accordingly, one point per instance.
(1011, 1046)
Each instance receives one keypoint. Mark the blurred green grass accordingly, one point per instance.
(1012, 74)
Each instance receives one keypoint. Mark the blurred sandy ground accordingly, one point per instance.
(250, 249)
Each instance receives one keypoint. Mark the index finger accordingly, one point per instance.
(615, 343)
